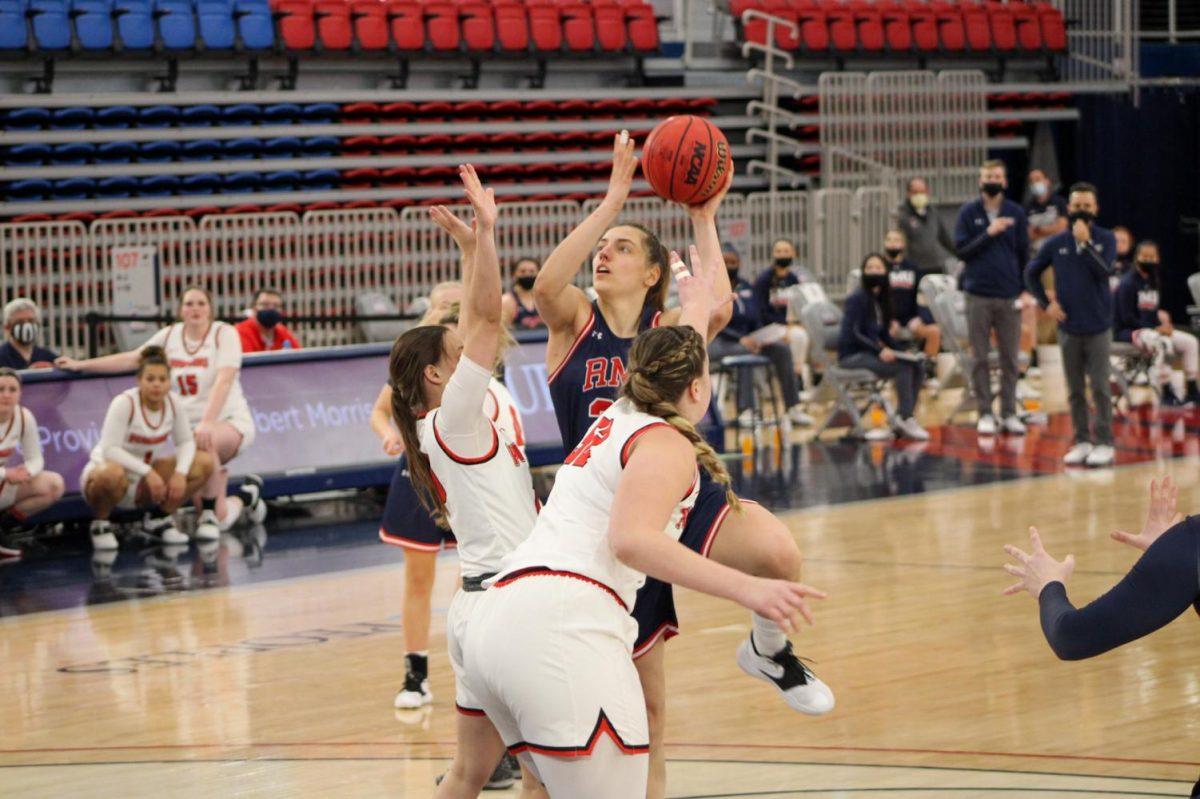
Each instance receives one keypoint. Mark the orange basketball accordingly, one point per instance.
(686, 159)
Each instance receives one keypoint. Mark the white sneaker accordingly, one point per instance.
(932, 383)
(164, 528)
(103, 539)
(879, 434)
(909, 428)
(1026, 391)
(1102, 455)
(799, 417)
(413, 695)
(257, 509)
(986, 426)
(1077, 454)
(800, 687)
(207, 528)
(1012, 426)
(746, 418)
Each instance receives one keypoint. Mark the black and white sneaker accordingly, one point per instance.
(9, 548)
(415, 692)
(251, 491)
(504, 777)
(163, 527)
(800, 687)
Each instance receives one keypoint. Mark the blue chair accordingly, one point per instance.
(320, 113)
(241, 182)
(158, 116)
(114, 117)
(27, 155)
(73, 189)
(240, 114)
(215, 19)
(14, 28)
(115, 152)
(115, 188)
(71, 118)
(28, 190)
(51, 24)
(93, 24)
(157, 152)
(176, 25)
(72, 154)
(281, 114)
(255, 25)
(199, 116)
(204, 183)
(281, 181)
(199, 150)
(27, 119)
(135, 24)
(320, 147)
(320, 180)
(284, 147)
(241, 149)
(157, 186)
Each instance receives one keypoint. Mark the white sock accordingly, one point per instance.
(233, 510)
(768, 636)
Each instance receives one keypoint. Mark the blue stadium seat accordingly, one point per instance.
(71, 118)
(284, 147)
(199, 116)
(157, 186)
(320, 147)
(157, 152)
(158, 116)
(281, 114)
(217, 30)
(14, 29)
(176, 24)
(320, 113)
(200, 150)
(27, 119)
(73, 189)
(115, 117)
(255, 25)
(281, 181)
(115, 188)
(135, 24)
(74, 153)
(241, 182)
(320, 180)
(27, 190)
(240, 114)
(93, 23)
(241, 149)
(51, 24)
(115, 152)
(204, 183)
(27, 155)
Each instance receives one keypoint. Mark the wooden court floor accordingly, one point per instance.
(945, 688)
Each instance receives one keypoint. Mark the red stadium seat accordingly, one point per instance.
(37, 218)
(785, 38)
(201, 211)
(407, 24)
(505, 142)
(441, 25)
(1003, 26)
(1029, 33)
(333, 24)
(244, 209)
(435, 111)
(398, 176)
(158, 213)
(505, 110)
(574, 140)
(842, 33)
(370, 24)
(360, 113)
(642, 23)
(868, 21)
(282, 208)
(540, 140)
(324, 205)
(434, 143)
(399, 204)
(579, 26)
(478, 26)
(539, 109)
(122, 214)
(360, 146)
(398, 112)
(545, 28)
(294, 18)
(754, 30)
(360, 178)
(472, 142)
(951, 33)
(814, 25)
(401, 144)
(897, 26)
(977, 26)
(925, 25)
(86, 217)
(434, 174)
(512, 27)
(611, 34)
(1054, 27)
(574, 109)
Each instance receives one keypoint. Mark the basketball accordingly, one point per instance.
(686, 159)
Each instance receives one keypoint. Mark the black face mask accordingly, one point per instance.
(872, 282)
(25, 332)
(526, 282)
(782, 263)
(268, 317)
(1148, 267)
(1086, 216)
(894, 252)
(992, 189)
(733, 276)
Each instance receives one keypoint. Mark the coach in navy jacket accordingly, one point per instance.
(992, 239)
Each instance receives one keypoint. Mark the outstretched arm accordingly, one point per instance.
(708, 246)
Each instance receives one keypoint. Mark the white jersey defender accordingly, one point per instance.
(19, 432)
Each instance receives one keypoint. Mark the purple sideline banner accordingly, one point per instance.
(310, 414)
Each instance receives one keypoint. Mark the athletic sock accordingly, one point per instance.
(208, 503)
(767, 636)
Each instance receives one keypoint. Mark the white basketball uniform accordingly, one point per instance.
(19, 431)
(194, 366)
(548, 651)
(482, 476)
(499, 406)
(133, 437)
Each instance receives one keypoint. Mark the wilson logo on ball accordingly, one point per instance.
(686, 159)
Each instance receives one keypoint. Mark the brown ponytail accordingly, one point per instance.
(412, 352)
(663, 362)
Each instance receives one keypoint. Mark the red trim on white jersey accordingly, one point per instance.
(665, 632)
(591, 322)
(495, 405)
(468, 711)
(654, 320)
(603, 727)
(634, 437)
(468, 461)
(408, 543)
(542, 571)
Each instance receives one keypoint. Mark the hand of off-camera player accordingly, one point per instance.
(780, 601)
(393, 444)
(1160, 516)
(1036, 570)
(696, 287)
(625, 162)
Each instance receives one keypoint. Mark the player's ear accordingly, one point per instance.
(431, 373)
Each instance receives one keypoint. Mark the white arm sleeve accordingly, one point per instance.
(112, 436)
(460, 421)
(185, 442)
(229, 347)
(31, 446)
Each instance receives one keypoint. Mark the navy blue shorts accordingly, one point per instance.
(654, 609)
(405, 522)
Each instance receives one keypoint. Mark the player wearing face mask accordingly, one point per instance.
(264, 332)
(22, 325)
(517, 306)
(1046, 210)
(930, 245)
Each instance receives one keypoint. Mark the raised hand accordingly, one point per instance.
(1036, 570)
(625, 163)
(708, 208)
(1160, 515)
(482, 200)
(462, 233)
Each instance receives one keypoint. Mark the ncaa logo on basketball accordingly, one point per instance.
(699, 151)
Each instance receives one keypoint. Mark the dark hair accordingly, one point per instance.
(267, 290)
(522, 260)
(1083, 188)
(881, 304)
(412, 352)
(152, 356)
(656, 255)
(785, 240)
(663, 362)
(13, 373)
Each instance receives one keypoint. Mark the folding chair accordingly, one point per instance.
(1131, 366)
(854, 390)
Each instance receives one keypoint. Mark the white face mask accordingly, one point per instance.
(1039, 188)
(920, 201)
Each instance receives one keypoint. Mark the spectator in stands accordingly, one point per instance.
(1082, 306)
(865, 342)
(738, 339)
(516, 306)
(25, 486)
(1141, 320)
(1046, 211)
(930, 245)
(263, 332)
(1124, 259)
(992, 239)
(908, 313)
(22, 326)
(772, 299)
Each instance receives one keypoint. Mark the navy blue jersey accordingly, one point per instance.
(588, 379)
(904, 279)
(525, 318)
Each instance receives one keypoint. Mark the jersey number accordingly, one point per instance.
(599, 406)
(188, 386)
(517, 431)
(597, 435)
(517, 455)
